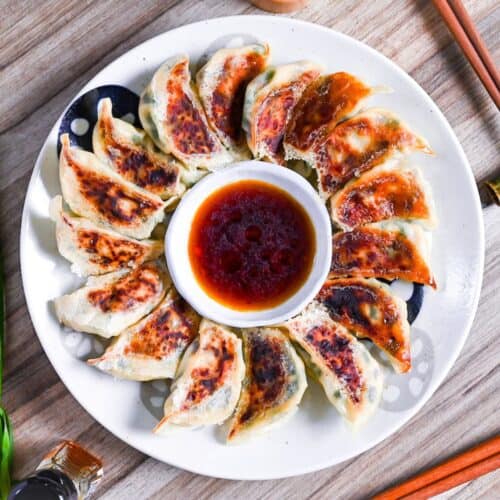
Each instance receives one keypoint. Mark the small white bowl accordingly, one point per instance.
(177, 238)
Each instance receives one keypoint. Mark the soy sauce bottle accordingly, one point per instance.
(68, 472)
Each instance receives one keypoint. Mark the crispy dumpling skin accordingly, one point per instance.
(367, 308)
(274, 384)
(172, 115)
(269, 101)
(326, 101)
(108, 304)
(351, 378)
(389, 191)
(387, 250)
(151, 349)
(93, 190)
(208, 382)
(360, 143)
(132, 154)
(92, 249)
(221, 85)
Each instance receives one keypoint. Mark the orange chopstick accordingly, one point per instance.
(476, 39)
(464, 34)
(457, 470)
(462, 476)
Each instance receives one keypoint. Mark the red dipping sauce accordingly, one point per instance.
(251, 245)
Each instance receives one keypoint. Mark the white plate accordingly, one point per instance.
(315, 437)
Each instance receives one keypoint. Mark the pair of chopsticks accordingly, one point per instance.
(462, 27)
(464, 467)
(466, 35)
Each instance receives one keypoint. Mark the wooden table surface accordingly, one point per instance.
(49, 49)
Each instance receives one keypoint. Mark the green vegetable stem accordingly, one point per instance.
(6, 438)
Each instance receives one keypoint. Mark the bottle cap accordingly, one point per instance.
(83, 468)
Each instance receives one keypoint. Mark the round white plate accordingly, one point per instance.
(315, 437)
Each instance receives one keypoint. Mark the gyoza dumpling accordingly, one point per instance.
(108, 304)
(269, 101)
(351, 378)
(359, 144)
(388, 250)
(221, 85)
(325, 102)
(93, 249)
(367, 308)
(94, 191)
(131, 153)
(208, 382)
(392, 190)
(152, 348)
(172, 115)
(274, 384)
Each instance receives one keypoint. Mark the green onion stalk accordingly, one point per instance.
(6, 438)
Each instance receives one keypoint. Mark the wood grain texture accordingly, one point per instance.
(49, 49)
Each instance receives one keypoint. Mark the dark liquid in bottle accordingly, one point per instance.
(48, 484)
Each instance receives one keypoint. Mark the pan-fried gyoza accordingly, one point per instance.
(93, 190)
(221, 85)
(131, 153)
(208, 384)
(273, 387)
(152, 348)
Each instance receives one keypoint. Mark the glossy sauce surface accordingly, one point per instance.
(251, 245)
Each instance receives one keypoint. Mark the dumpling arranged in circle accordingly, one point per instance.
(221, 84)
(132, 154)
(269, 101)
(351, 378)
(96, 192)
(360, 143)
(326, 101)
(368, 309)
(208, 383)
(108, 304)
(388, 250)
(151, 349)
(92, 249)
(273, 387)
(392, 190)
(173, 116)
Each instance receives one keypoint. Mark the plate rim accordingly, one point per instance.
(437, 381)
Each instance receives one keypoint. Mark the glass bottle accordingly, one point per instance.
(68, 472)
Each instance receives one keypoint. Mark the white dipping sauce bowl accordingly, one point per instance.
(177, 239)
